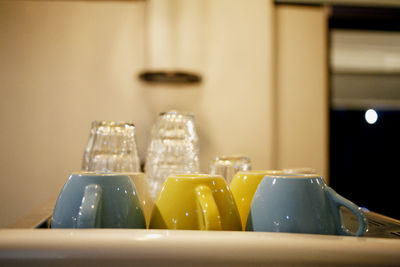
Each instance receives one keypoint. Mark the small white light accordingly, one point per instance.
(371, 116)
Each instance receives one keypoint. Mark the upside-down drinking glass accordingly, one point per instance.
(111, 148)
(228, 165)
(173, 148)
(303, 170)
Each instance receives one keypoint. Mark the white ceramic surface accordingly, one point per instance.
(104, 247)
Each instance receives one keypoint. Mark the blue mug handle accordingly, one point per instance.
(89, 215)
(337, 201)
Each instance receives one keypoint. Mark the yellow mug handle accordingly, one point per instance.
(209, 217)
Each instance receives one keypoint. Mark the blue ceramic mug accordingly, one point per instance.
(98, 200)
(300, 204)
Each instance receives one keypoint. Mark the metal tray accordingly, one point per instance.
(378, 225)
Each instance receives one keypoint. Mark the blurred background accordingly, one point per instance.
(287, 83)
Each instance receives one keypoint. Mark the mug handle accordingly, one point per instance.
(337, 201)
(90, 209)
(209, 217)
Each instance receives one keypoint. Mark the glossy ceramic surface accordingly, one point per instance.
(142, 187)
(195, 202)
(300, 204)
(94, 200)
(136, 247)
(243, 187)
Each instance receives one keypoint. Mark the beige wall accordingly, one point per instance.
(229, 44)
(302, 88)
(64, 64)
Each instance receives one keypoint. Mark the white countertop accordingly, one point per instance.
(118, 247)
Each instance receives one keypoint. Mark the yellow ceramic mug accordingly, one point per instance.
(244, 185)
(195, 202)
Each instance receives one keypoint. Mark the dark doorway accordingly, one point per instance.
(365, 159)
(365, 74)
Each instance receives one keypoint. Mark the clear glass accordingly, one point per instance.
(111, 148)
(173, 149)
(303, 170)
(228, 165)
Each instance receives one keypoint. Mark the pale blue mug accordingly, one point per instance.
(98, 200)
(300, 204)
